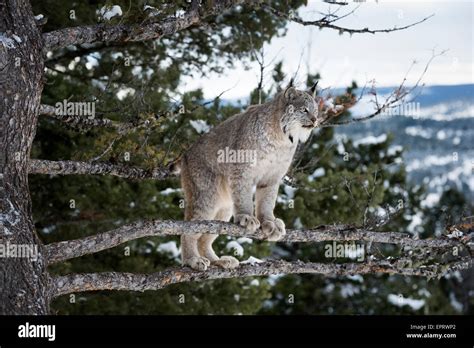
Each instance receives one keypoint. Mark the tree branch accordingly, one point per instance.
(65, 250)
(134, 32)
(84, 124)
(62, 285)
(37, 166)
(328, 23)
(393, 100)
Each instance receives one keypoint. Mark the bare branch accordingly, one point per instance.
(333, 2)
(328, 23)
(397, 96)
(141, 282)
(37, 166)
(134, 32)
(65, 250)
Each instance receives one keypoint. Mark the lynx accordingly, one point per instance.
(218, 183)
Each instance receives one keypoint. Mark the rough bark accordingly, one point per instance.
(65, 250)
(141, 282)
(96, 168)
(134, 32)
(23, 281)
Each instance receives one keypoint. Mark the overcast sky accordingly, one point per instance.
(362, 57)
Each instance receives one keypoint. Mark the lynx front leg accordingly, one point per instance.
(266, 197)
(243, 205)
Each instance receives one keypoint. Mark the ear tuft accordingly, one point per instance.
(313, 89)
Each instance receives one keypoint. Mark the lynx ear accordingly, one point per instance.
(290, 93)
(313, 89)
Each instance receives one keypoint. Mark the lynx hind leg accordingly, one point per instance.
(190, 255)
(206, 240)
(199, 206)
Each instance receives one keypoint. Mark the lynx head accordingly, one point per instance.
(300, 114)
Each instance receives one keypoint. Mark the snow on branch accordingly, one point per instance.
(72, 283)
(65, 250)
(37, 166)
(135, 32)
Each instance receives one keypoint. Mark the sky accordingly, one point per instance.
(385, 57)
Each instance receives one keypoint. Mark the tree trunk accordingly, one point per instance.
(23, 277)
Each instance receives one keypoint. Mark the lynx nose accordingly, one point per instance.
(313, 119)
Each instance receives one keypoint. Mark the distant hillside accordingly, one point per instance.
(439, 142)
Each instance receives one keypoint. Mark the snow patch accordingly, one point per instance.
(289, 191)
(108, 13)
(152, 11)
(169, 191)
(255, 282)
(12, 217)
(17, 38)
(236, 247)
(200, 126)
(6, 41)
(356, 278)
(319, 172)
(169, 248)
(401, 301)
(252, 260)
(394, 149)
(455, 234)
(416, 220)
(431, 200)
(125, 92)
(348, 290)
(371, 140)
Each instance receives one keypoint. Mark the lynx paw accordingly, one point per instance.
(227, 262)
(274, 230)
(198, 263)
(250, 222)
